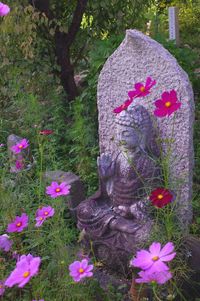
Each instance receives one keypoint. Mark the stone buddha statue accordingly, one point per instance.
(115, 219)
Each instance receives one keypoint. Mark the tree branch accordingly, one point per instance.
(76, 21)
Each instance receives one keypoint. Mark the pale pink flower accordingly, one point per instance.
(4, 9)
(156, 277)
(80, 269)
(153, 260)
(42, 214)
(18, 224)
(26, 268)
(5, 243)
(55, 190)
(17, 148)
(2, 145)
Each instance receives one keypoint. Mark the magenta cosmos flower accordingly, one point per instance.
(167, 105)
(80, 269)
(160, 197)
(55, 189)
(26, 268)
(18, 224)
(142, 89)
(17, 148)
(42, 214)
(4, 9)
(156, 277)
(153, 260)
(2, 288)
(5, 243)
(123, 107)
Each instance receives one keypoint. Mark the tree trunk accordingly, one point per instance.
(67, 70)
(63, 42)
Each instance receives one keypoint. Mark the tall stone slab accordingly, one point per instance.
(135, 59)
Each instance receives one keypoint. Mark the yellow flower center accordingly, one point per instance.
(142, 89)
(160, 196)
(46, 213)
(1, 286)
(168, 104)
(20, 146)
(155, 258)
(58, 189)
(81, 270)
(41, 218)
(26, 274)
(19, 224)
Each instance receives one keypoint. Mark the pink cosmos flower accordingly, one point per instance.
(55, 189)
(80, 269)
(18, 224)
(2, 145)
(39, 300)
(153, 260)
(19, 165)
(17, 148)
(26, 268)
(4, 9)
(42, 214)
(5, 243)
(2, 288)
(156, 277)
(142, 89)
(167, 105)
(123, 107)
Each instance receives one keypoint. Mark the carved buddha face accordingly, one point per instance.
(128, 137)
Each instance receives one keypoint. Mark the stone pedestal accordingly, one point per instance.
(134, 60)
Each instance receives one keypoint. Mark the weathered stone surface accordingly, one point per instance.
(136, 58)
(24, 156)
(77, 194)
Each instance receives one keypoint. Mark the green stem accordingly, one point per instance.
(178, 291)
(155, 294)
(41, 153)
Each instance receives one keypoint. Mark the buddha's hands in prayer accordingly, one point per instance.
(106, 166)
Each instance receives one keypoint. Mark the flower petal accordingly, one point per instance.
(167, 249)
(160, 112)
(173, 96)
(143, 260)
(158, 266)
(154, 249)
(174, 108)
(168, 257)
